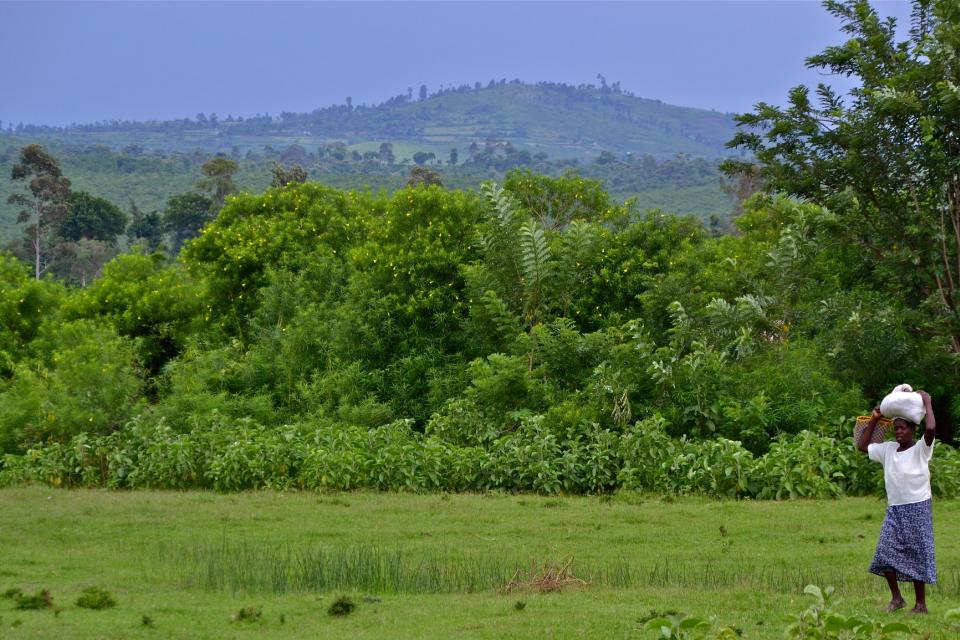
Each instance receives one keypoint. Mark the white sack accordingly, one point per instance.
(903, 402)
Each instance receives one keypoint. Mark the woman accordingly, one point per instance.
(905, 549)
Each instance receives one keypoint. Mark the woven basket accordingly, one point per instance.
(879, 432)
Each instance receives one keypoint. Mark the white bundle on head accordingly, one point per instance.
(903, 403)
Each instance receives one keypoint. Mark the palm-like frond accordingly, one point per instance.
(534, 255)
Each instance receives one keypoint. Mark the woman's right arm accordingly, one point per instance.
(930, 429)
(867, 434)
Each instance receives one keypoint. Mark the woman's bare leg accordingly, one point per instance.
(896, 599)
(921, 591)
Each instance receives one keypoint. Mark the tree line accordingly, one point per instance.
(72, 234)
(144, 181)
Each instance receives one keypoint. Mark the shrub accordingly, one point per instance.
(807, 466)
(529, 459)
(40, 600)
(800, 392)
(460, 422)
(945, 472)
(158, 305)
(241, 454)
(238, 454)
(248, 614)
(157, 457)
(647, 453)
(25, 304)
(591, 461)
(86, 380)
(500, 384)
(342, 606)
(95, 598)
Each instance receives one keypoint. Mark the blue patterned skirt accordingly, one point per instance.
(906, 543)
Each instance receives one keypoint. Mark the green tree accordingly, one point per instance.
(294, 154)
(185, 215)
(454, 156)
(386, 152)
(92, 218)
(421, 157)
(558, 201)
(80, 261)
(219, 179)
(43, 201)
(157, 305)
(886, 158)
(254, 233)
(145, 227)
(606, 157)
(421, 176)
(282, 176)
(336, 150)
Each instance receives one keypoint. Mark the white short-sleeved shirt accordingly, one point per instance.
(906, 474)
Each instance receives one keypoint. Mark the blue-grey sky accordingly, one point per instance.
(82, 62)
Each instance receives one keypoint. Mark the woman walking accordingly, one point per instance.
(905, 549)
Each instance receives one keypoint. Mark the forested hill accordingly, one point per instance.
(558, 119)
(662, 156)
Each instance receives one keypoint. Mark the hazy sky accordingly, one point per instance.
(81, 62)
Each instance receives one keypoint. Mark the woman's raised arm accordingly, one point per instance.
(864, 441)
(930, 421)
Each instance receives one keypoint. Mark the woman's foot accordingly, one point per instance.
(896, 603)
(919, 609)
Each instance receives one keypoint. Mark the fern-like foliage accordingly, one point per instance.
(503, 207)
(496, 313)
(535, 259)
(734, 327)
(578, 241)
(497, 241)
(681, 329)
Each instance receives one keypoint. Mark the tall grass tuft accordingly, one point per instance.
(249, 568)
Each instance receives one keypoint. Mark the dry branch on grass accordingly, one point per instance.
(545, 578)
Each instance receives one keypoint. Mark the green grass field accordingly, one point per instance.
(434, 566)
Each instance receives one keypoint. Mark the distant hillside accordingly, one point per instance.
(557, 119)
(663, 156)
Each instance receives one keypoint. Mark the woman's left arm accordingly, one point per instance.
(930, 421)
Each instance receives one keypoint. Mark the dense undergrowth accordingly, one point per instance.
(243, 455)
(533, 336)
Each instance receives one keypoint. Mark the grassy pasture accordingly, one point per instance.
(432, 566)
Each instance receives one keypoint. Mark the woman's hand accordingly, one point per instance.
(864, 440)
(925, 396)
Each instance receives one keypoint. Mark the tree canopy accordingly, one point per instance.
(92, 218)
(184, 216)
(43, 201)
(219, 183)
(886, 158)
